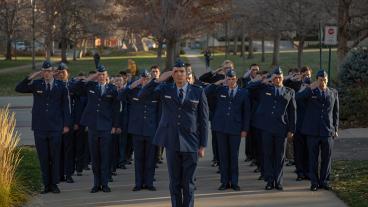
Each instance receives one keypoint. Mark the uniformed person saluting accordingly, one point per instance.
(101, 116)
(143, 120)
(50, 119)
(276, 117)
(231, 122)
(320, 125)
(183, 130)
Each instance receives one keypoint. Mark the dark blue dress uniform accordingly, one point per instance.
(231, 117)
(320, 124)
(50, 114)
(300, 139)
(67, 155)
(100, 116)
(143, 121)
(275, 116)
(182, 130)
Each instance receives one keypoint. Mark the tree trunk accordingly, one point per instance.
(226, 39)
(8, 55)
(170, 54)
(343, 33)
(276, 49)
(242, 50)
(81, 52)
(250, 48)
(263, 58)
(300, 52)
(159, 52)
(235, 52)
(64, 38)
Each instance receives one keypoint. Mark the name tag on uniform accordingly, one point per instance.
(268, 94)
(314, 96)
(39, 91)
(169, 97)
(91, 91)
(194, 101)
(135, 99)
(154, 101)
(222, 96)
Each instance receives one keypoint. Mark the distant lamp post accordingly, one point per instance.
(33, 2)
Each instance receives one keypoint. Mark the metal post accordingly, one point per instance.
(320, 45)
(329, 64)
(33, 34)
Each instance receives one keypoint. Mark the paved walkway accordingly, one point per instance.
(353, 143)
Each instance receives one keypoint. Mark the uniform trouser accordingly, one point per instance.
(144, 160)
(274, 157)
(315, 144)
(182, 167)
(229, 153)
(159, 152)
(215, 149)
(100, 149)
(114, 151)
(301, 154)
(250, 147)
(122, 147)
(48, 144)
(81, 146)
(67, 155)
(259, 152)
(129, 147)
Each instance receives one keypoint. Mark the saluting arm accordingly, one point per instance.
(25, 86)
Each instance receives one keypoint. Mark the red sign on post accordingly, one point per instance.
(330, 35)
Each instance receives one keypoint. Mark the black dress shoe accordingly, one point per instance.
(314, 188)
(215, 164)
(106, 189)
(247, 160)
(257, 170)
(137, 188)
(222, 187)
(45, 190)
(261, 177)
(114, 174)
(69, 179)
(55, 189)
(235, 187)
(159, 162)
(269, 186)
(151, 188)
(62, 179)
(95, 189)
(279, 187)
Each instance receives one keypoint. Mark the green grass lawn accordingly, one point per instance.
(28, 171)
(8, 81)
(350, 182)
(287, 60)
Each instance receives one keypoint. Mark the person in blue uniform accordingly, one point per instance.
(80, 131)
(101, 116)
(320, 125)
(50, 119)
(276, 117)
(231, 123)
(182, 130)
(146, 113)
(67, 155)
(298, 82)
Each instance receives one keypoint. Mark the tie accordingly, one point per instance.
(181, 95)
(323, 95)
(48, 87)
(277, 93)
(101, 90)
(231, 93)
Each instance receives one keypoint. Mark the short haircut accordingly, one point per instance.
(254, 64)
(155, 67)
(305, 69)
(92, 72)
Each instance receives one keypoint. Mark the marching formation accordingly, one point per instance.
(107, 120)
